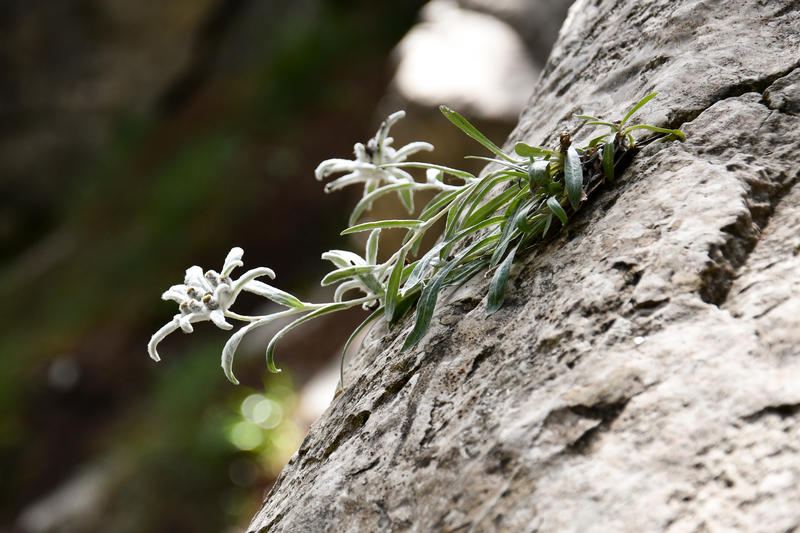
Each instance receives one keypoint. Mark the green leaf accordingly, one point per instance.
(557, 210)
(375, 314)
(526, 150)
(468, 230)
(407, 224)
(407, 197)
(427, 302)
(370, 187)
(538, 174)
(512, 205)
(573, 176)
(608, 161)
(636, 108)
(455, 221)
(437, 203)
(482, 247)
(342, 258)
(230, 350)
(465, 271)
(371, 283)
(509, 167)
(602, 123)
(677, 133)
(415, 247)
(372, 247)
(422, 266)
(447, 170)
(497, 288)
(597, 140)
(483, 188)
(454, 215)
(405, 303)
(490, 206)
(530, 226)
(464, 125)
(470, 262)
(537, 223)
(548, 224)
(345, 273)
(271, 293)
(510, 230)
(366, 202)
(393, 286)
(305, 318)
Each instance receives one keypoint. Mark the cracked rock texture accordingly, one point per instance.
(644, 373)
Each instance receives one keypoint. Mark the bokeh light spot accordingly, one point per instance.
(246, 436)
(267, 413)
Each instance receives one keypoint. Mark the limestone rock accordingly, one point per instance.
(644, 373)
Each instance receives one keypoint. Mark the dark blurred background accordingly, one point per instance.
(138, 138)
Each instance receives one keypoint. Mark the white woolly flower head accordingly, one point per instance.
(366, 167)
(207, 296)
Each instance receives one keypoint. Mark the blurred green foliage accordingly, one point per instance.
(174, 187)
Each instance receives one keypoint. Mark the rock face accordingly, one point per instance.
(644, 373)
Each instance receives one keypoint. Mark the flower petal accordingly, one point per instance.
(233, 260)
(176, 293)
(400, 174)
(386, 125)
(218, 318)
(159, 336)
(185, 321)
(411, 148)
(195, 278)
(394, 117)
(250, 275)
(372, 175)
(361, 154)
(344, 181)
(333, 166)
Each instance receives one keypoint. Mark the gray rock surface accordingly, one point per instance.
(644, 373)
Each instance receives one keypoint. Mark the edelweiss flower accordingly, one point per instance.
(208, 296)
(365, 168)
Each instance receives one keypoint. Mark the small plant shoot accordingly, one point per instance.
(488, 220)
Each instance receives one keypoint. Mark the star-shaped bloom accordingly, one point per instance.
(208, 296)
(366, 167)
